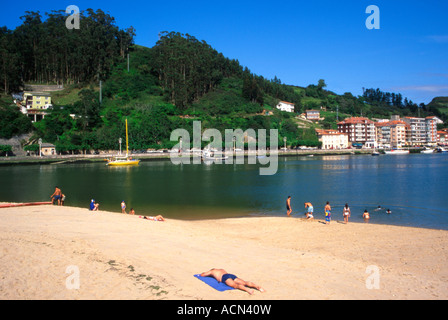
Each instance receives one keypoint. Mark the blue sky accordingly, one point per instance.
(300, 42)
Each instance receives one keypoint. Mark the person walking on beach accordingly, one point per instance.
(327, 213)
(123, 207)
(366, 216)
(57, 195)
(231, 280)
(288, 206)
(309, 213)
(346, 213)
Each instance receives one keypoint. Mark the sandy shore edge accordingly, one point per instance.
(46, 251)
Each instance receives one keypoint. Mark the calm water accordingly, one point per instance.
(412, 186)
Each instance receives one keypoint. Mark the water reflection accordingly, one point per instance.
(410, 186)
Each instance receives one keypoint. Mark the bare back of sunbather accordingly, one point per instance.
(232, 281)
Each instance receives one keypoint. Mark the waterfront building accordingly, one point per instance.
(431, 129)
(358, 129)
(422, 130)
(332, 139)
(442, 136)
(416, 134)
(391, 134)
(48, 149)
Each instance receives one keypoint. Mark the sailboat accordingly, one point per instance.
(125, 160)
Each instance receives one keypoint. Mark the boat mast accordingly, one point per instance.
(127, 139)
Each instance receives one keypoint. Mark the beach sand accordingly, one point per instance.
(115, 256)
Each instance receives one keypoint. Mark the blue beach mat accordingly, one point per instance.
(212, 282)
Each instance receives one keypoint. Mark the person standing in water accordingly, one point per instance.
(366, 216)
(288, 206)
(327, 213)
(309, 213)
(346, 213)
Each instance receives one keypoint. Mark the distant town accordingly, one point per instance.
(351, 133)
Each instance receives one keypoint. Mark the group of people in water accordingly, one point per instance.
(346, 212)
(57, 196)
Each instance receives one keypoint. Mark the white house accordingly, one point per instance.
(285, 106)
(332, 139)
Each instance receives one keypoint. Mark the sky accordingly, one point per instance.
(297, 41)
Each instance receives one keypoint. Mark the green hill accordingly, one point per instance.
(179, 80)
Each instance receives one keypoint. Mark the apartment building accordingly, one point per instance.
(391, 134)
(431, 129)
(422, 130)
(358, 129)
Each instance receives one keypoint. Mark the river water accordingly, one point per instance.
(411, 186)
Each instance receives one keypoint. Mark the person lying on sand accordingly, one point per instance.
(231, 280)
(156, 218)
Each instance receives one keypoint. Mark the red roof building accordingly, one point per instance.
(358, 129)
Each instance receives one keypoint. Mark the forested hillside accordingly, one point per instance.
(179, 80)
(43, 50)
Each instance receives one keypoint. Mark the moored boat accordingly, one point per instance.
(124, 161)
(397, 151)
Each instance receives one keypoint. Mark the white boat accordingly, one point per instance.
(441, 149)
(397, 151)
(426, 151)
(208, 155)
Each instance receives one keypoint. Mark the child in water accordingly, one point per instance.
(366, 216)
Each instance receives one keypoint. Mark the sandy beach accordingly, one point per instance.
(45, 250)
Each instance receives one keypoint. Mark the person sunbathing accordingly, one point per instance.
(156, 218)
(232, 281)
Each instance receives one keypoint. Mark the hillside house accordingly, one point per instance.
(286, 106)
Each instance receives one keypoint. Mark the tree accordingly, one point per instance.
(321, 84)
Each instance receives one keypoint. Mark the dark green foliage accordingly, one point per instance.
(13, 122)
(45, 51)
(5, 150)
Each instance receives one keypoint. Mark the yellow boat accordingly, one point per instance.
(124, 160)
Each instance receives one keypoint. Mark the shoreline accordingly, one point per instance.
(67, 159)
(122, 257)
